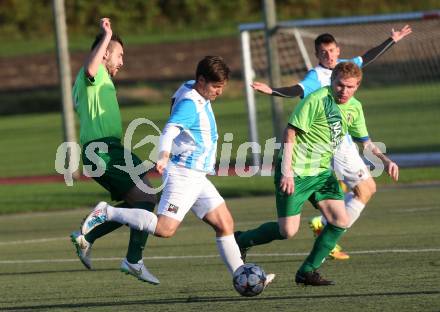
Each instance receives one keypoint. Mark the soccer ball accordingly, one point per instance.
(249, 280)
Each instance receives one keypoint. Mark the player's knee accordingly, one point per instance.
(288, 232)
(341, 220)
(165, 231)
(221, 221)
(372, 187)
(365, 190)
(224, 227)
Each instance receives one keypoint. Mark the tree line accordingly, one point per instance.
(33, 19)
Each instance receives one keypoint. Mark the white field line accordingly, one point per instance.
(67, 238)
(34, 241)
(358, 252)
(409, 210)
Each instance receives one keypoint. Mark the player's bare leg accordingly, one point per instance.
(354, 204)
(220, 219)
(363, 192)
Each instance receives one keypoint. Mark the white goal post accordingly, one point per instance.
(415, 60)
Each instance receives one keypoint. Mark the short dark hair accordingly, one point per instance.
(100, 36)
(213, 69)
(347, 70)
(324, 39)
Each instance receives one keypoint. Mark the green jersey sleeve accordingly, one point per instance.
(304, 114)
(358, 128)
(94, 81)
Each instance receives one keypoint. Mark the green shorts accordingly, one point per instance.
(314, 188)
(114, 180)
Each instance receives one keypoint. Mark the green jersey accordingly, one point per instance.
(323, 124)
(97, 106)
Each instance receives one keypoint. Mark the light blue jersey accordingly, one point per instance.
(319, 76)
(196, 145)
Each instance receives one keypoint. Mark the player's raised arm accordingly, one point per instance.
(372, 54)
(288, 92)
(97, 54)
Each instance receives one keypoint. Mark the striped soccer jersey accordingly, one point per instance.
(319, 76)
(196, 145)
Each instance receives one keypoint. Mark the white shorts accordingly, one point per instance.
(348, 165)
(185, 190)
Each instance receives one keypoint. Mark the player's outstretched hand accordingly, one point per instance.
(393, 170)
(105, 25)
(398, 35)
(261, 87)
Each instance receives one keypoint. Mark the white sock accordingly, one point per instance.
(229, 252)
(354, 208)
(138, 219)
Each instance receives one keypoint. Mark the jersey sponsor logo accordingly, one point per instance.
(336, 133)
(334, 121)
(173, 208)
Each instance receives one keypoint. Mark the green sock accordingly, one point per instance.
(138, 239)
(263, 234)
(325, 243)
(104, 228)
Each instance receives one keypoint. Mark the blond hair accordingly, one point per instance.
(347, 70)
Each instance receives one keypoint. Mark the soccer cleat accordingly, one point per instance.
(96, 217)
(317, 226)
(269, 279)
(139, 271)
(244, 250)
(338, 254)
(312, 278)
(83, 248)
(344, 187)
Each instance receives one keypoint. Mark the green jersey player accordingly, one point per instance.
(100, 135)
(347, 163)
(303, 172)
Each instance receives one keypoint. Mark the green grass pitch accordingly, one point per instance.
(394, 263)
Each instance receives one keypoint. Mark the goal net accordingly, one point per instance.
(413, 63)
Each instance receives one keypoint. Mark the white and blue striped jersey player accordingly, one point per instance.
(191, 136)
(319, 76)
(196, 145)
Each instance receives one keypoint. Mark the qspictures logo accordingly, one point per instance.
(68, 155)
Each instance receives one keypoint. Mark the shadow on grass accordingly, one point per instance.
(195, 299)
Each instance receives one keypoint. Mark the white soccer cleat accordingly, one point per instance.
(269, 279)
(83, 248)
(139, 271)
(96, 217)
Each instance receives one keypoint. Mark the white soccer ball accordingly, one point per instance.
(249, 280)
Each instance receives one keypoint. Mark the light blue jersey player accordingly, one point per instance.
(347, 163)
(319, 76)
(187, 151)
